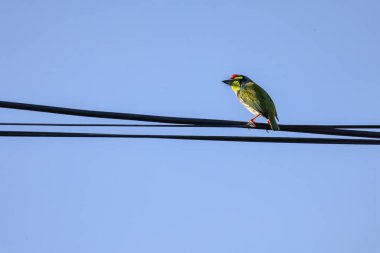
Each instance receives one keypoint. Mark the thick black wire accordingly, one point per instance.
(314, 129)
(117, 115)
(98, 125)
(337, 132)
(340, 126)
(192, 137)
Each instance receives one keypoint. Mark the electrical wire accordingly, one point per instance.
(104, 125)
(193, 122)
(315, 130)
(183, 125)
(192, 137)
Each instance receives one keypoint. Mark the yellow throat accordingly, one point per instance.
(235, 86)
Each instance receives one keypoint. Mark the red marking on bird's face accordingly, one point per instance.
(233, 76)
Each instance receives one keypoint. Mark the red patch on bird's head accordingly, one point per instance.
(233, 76)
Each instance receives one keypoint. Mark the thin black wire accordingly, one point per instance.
(325, 131)
(184, 125)
(314, 129)
(192, 137)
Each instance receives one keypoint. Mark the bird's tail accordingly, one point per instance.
(273, 123)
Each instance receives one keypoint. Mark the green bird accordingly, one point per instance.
(254, 98)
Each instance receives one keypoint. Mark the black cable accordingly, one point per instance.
(117, 115)
(102, 125)
(321, 127)
(192, 137)
(327, 131)
(314, 129)
(339, 126)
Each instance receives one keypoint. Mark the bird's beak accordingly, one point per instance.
(229, 81)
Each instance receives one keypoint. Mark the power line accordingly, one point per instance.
(340, 126)
(324, 127)
(107, 125)
(314, 130)
(195, 122)
(117, 115)
(337, 132)
(192, 137)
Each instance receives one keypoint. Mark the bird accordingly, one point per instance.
(254, 98)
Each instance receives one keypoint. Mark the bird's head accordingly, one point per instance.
(236, 81)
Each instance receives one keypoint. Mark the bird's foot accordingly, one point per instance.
(268, 122)
(251, 123)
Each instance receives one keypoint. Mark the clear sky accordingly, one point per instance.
(319, 60)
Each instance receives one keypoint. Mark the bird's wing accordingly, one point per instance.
(249, 95)
(258, 98)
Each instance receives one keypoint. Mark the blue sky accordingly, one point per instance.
(319, 60)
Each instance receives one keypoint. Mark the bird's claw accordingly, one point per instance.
(251, 124)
